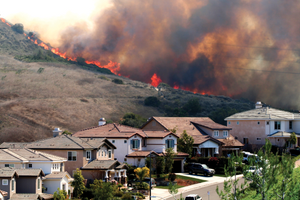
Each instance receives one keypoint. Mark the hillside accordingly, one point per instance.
(37, 97)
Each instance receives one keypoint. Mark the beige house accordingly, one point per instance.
(252, 127)
(210, 138)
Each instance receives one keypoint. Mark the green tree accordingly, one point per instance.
(60, 194)
(169, 160)
(78, 184)
(19, 28)
(293, 139)
(133, 120)
(117, 81)
(231, 190)
(152, 101)
(66, 132)
(157, 163)
(102, 191)
(192, 106)
(294, 186)
(173, 189)
(185, 143)
(80, 61)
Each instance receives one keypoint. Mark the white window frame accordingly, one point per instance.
(169, 143)
(102, 153)
(229, 123)
(136, 144)
(125, 141)
(9, 165)
(109, 154)
(291, 125)
(29, 165)
(113, 141)
(216, 133)
(88, 152)
(4, 181)
(39, 183)
(105, 153)
(258, 139)
(278, 124)
(225, 133)
(73, 152)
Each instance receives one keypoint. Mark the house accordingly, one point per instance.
(134, 145)
(22, 184)
(31, 159)
(252, 127)
(78, 153)
(210, 138)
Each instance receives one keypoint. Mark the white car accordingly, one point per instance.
(254, 170)
(247, 155)
(193, 197)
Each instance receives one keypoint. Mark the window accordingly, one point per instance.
(258, 123)
(125, 159)
(237, 123)
(225, 133)
(245, 140)
(72, 155)
(113, 141)
(169, 144)
(64, 187)
(290, 124)
(102, 153)
(216, 133)
(235, 137)
(109, 154)
(88, 155)
(125, 141)
(39, 183)
(277, 125)
(4, 181)
(105, 153)
(267, 123)
(29, 165)
(229, 123)
(258, 139)
(135, 144)
(13, 185)
(9, 165)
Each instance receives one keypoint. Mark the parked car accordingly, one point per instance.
(247, 156)
(201, 169)
(153, 183)
(193, 197)
(295, 152)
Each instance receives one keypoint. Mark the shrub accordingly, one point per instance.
(213, 162)
(19, 28)
(118, 194)
(127, 196)
(40, 70)
(103, 78)
(143, 186)
(172, 177)
(117, 81)
(152, 101)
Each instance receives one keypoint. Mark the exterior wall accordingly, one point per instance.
(138, 162)
(70, 166)
(249, 129)
(53, 184)
(159, 145)
(17, 164)
(99, 153)
(211, 132)
(46, 167)
(122, 148)
(296, 126)
(153, 126)
(93, 174)
(278, 141)
(28, 184)
(7, 188)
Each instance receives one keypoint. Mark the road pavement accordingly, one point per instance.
(207, 190)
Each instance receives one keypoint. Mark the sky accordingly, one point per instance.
(51, 17)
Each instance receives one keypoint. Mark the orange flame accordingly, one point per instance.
(3, 20)
(176, 87)
(155, 80)
(114, 67)
(44, 46)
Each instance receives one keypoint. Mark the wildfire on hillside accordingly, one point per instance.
(155, 80)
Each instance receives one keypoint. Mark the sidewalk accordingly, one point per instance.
(164, 193)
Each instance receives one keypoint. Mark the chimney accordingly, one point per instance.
(258, 105)
(56, 132)
(102, 122)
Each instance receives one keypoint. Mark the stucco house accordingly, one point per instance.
(8, 182)
(210, 138)
(79, 153)
(252, 127)
(133, 144)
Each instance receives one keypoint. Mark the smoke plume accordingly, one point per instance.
(237, 48)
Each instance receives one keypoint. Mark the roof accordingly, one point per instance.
(8, 172)
(159, 134)
(25, 196)
(182, 154)
(18, 145)
(58, 175)
(141, 154)
(210, 124)
(200, 139)
(3, 193)
(102, 164)
(27, 155)
(109, 131)
(63, 142)
(263, 113)
(30, 172)
(231, 142)
(282, 134)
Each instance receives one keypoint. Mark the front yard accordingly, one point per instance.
(182, 181)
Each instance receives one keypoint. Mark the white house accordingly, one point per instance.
(133, 144)
(61, 180)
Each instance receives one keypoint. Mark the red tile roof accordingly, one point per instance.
(231, 142)
(141, 154)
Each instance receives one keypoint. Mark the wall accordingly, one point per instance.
(51, 185)
(46, 167)
(159, 144)
(248, 129)
(138, 162)
(70, 166)
(99, 153)
(122, 148)
(211, 132)
(17, 165)
(93, 174)
(7, 188)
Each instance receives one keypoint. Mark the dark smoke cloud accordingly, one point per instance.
(238, 48)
